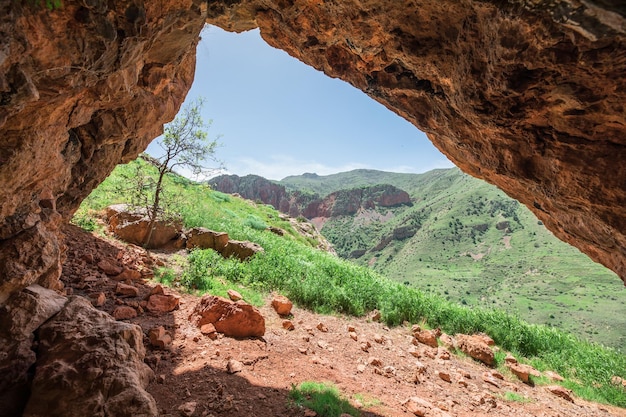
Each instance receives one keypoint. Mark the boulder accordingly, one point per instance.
(234, 295)
(132, 226)
(159, 338)
(126, 290)
(522, 371)
(235, 319)
(476, 348)
(124, 313)
(162, 303)
(20, 316)
(282, 305)
(203, 238)
(242, 250)
(427, 337)
(88, 365)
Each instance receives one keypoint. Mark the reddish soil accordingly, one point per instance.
(194, 367)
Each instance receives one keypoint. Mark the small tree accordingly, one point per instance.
(185, 145)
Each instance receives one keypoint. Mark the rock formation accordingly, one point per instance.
(527, 95)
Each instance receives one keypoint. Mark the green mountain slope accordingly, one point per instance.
(469, 242)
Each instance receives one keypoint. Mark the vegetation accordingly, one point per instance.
(468, 242)
(323, 398)
(185, 145)
(324, 283)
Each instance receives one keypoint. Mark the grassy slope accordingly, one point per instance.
(325, 283)
(526, 271)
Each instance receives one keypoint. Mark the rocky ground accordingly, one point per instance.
(382, 371)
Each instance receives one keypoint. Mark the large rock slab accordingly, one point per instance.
(475, 347)
(235, 319)
(20, 317)
(242, 250)
(203, 238)
(90, 365)
(133, 226)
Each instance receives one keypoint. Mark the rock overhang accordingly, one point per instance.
(528, 96)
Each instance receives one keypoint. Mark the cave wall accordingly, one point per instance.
(526, 95)
(82, 88)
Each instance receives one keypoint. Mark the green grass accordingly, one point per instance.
(459, 253)
(322, 397)
(515, 397)
(324, 283)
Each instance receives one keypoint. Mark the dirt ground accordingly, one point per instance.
(191, 376)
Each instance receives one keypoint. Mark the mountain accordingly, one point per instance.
(466, 240)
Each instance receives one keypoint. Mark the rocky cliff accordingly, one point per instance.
(296, 203)
(526, 95)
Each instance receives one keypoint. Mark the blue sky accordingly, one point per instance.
(278, 117)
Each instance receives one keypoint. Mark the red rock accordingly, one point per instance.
(157, 290)
(234, 366)
(126, 290)
(374, 361)
(418, 406)
(288, 325)
(559, 391)
(98, 299)
(554, 376)
(234, 295)
(427, 337)
(238, 319)
(241, 250)
(132, 226)
(159, 338)
(202, 238)
(109, 267)
(124, 313)
(447, 341)
(158, 303)
(445, 376)
(282, 305)
(476, 348)
(322, 327)
(522, 371)
(128, 275)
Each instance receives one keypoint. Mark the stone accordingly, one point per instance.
(322, 327)
(554, 376)
(128, 274)
(559, 391)
(282, 305)
(98, 299)
(187, 409)
(126, 290)
(234, 295)
(288, 325)
(447, 341)
(20, 317)
(239, 320)
(209, 330)
(374, 361)
(485, 339)
(109, 267)
(241, 250)
(378, 338)
(522, 371)
(490, 379)
(445, 376)
(159, 338)
(427, 337)
(124, 313)
(417, 406)
(162, 303)
(100, 362)
(375, 315)
(234, 366)
(360, 368)
(353, 336)
(132, 226)
(351, 329)
(203, 238)
(475, 348)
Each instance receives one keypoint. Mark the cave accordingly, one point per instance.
(528, 96)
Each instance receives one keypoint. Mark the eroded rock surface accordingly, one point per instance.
(77, 374)
(82, 88)
(526, 95)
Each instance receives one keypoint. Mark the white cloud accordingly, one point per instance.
(277, 167)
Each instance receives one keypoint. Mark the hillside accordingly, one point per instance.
(318, 283)
(467, 241)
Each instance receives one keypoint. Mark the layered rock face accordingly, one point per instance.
(526, 95)
(82, 88)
